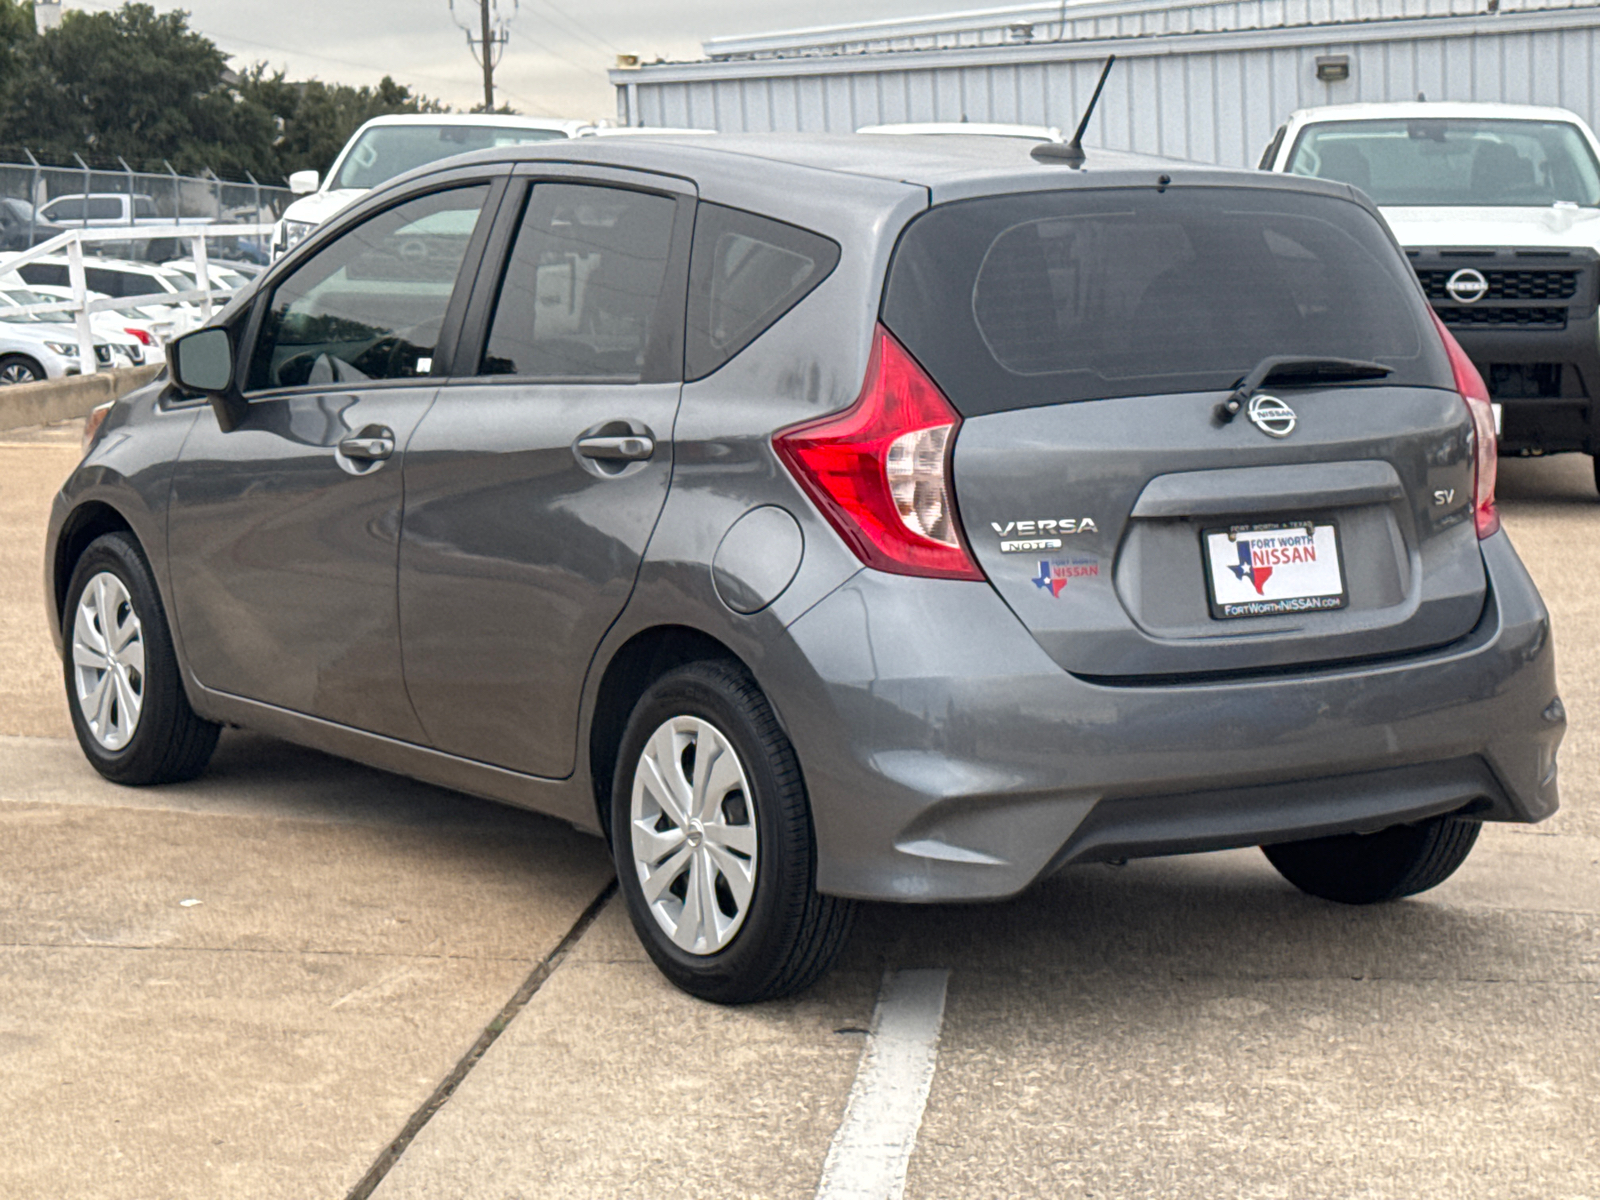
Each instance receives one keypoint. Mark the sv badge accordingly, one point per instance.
(1443, 496)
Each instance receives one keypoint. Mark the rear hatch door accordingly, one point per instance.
(1088, 338)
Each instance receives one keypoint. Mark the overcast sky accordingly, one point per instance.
(555, 64)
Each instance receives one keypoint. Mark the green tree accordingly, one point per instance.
(144, 86)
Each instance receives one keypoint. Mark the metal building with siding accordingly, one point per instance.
(1208, 80)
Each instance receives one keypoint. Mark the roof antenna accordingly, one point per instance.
(1072, 153)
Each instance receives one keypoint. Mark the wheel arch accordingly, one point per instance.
(638, 662)
(92, 519)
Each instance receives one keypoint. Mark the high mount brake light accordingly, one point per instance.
(1486, 453)
(880, 470)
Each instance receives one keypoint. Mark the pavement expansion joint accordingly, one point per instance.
(265, 952)
(441, 1095)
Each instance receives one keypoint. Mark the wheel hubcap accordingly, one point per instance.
(16, 374)
(693, 834)
(108, 661)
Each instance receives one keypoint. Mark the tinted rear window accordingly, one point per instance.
(1048, 297)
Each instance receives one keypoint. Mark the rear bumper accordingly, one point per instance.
(948, 758)
(1543, 423)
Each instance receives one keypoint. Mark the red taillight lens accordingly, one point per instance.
(880, 470)
(1486, 463)
(144, 337)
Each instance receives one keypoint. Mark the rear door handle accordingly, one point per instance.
(627, 448)
(372, 444)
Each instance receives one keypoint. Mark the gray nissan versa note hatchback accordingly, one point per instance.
(825, 519)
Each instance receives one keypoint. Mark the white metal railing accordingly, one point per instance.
(73, 242)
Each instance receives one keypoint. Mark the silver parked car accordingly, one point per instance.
(825, 519)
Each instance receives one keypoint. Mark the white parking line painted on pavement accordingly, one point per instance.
(872, 1149)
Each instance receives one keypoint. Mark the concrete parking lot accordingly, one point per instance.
(254, 984)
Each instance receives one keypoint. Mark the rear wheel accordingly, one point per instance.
(127, 700)
(711, 832)
(1369, 868)
(19, 368)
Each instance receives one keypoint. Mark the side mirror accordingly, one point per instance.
(303, 183)
(203, 362)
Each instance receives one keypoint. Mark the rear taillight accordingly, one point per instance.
(880, 470)
(1486, 454)
(144, 338)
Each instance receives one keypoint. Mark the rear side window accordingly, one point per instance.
(1041, 298)
(118, 283)
(45, 275)
(582, 291)
(746, 271)
(105, 208)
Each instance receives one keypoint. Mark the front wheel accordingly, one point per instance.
(19, 368)
(1370, 868)
(127, 700)
(711, 831)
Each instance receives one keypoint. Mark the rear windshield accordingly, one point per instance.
(1453, 162)
(1048, 297)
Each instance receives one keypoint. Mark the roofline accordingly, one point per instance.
(1332, 37)
(822, 39)
(495, 120)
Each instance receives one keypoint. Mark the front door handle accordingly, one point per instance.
(372, 444)
(627, 448)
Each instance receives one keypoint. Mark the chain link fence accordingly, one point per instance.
(33, 208)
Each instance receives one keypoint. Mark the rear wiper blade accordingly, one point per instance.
(1297, 371)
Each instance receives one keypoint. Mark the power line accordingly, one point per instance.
(488, 41)
(575, 27)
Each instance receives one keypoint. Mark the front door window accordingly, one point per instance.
(371, 304)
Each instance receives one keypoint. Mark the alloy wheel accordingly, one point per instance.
(108, 660)
(693, 834)
(16, 373)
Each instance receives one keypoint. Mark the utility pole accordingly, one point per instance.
(488, 40)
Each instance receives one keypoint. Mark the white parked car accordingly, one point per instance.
(37, 347)
(388, 146)
(127, 346)
(123, 278)
(1033, 133)
(151, 335)
(1498, 208)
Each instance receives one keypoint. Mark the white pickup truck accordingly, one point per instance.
(392, 145)
(1498, 208)
(99, 209)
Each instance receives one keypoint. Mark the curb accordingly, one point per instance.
(25, 404)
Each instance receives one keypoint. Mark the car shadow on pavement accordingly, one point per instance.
(256, 775)
(1559, 479)
(1220, 916)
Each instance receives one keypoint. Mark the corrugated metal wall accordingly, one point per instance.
(1087, 20)
(1212, 98)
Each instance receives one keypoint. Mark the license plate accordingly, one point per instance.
(1265, 570)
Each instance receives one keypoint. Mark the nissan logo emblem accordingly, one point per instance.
(1272, 416)
(1467, 286)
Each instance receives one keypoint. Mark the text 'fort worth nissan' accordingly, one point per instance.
(1498, 208)
(822, 519)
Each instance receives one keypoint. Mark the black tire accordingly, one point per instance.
(19, 368)
(790, 934)
(1594, 461)
(1371, 868)
(169, 743)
